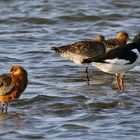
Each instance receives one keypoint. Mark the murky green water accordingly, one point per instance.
(58, 104)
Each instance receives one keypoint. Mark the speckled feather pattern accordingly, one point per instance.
(6, 84)
(85, 49)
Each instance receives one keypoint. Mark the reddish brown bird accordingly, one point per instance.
(12, 85)
(120, 40)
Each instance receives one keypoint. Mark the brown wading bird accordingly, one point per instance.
(12, 85)
(80, 50)
(119, 60)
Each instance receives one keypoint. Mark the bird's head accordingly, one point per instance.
(123, 36)
(18, 71)
(99, 38)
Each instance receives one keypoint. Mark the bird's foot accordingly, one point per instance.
(4, 107)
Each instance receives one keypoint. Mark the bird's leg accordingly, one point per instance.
(118, 82)
(122, 82)
(87, 75)
(4, 107)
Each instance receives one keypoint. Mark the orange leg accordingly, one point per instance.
(118, 82)
(122, 82)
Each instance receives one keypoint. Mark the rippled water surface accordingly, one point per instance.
(58, 104)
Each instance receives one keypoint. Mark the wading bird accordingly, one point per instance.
(80, 50)
(12, 85)
(117, 61)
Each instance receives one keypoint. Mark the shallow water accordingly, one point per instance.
(58, 104)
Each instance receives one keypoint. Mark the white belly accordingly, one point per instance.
(114, 68)
(77, 59)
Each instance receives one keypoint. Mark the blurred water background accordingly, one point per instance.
(58, 104)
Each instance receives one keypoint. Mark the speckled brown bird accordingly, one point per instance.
(12, 85)
(120, 40)
(80, 50)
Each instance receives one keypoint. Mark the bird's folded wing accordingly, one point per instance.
(6, 84)
(122, 55)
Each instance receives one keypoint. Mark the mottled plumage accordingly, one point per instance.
(120, 40)
(6, 84)
(80, 50)
(12, 85)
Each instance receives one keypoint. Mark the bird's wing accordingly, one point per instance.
(68, 48)
(112, 43)
(82, 48)
(6, 84)
(121, 55)
(88, 49)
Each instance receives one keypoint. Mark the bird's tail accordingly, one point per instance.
(88, 60)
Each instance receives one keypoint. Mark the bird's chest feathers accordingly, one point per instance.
(18, 82)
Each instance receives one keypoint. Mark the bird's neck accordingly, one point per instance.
(123, 41)
(21, 81)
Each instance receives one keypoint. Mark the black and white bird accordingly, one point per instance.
(81, 50)
(117, 61)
